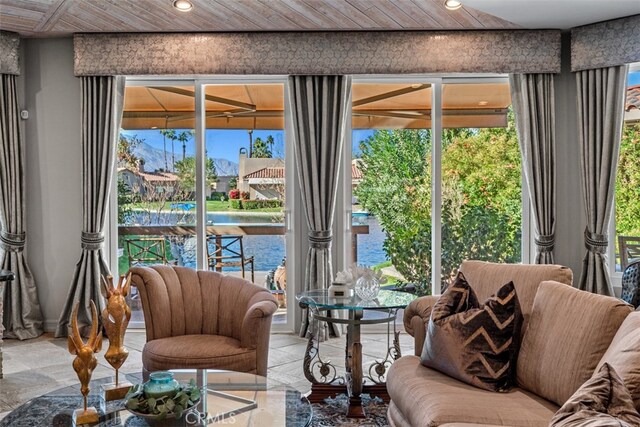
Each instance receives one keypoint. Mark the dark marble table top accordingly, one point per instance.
(6, 276)
(277, 405)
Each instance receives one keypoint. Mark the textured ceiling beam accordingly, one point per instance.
(9, 53)
(293, 53)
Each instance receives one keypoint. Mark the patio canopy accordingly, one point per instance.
(260, 106)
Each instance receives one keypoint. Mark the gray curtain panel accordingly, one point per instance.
(532, 96)
(22, 314)
(319, 106)
(102, 98)
(601, 96)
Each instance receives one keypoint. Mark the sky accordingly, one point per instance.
(634, 78)
(226, 143)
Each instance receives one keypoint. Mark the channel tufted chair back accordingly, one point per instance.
(203, 319)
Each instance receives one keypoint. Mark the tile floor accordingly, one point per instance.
(36, 367)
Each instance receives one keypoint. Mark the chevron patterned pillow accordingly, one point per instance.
(472, 342)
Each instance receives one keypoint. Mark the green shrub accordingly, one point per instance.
(235, 203)
(260, 204)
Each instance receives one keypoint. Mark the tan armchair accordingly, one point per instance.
(203, 319)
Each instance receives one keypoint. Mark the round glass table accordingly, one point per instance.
(323, 375)
(234, 398)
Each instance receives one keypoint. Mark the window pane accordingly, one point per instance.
(245, 147)
(391, 180)
(156, 180)
(481, 177)
(627, 215)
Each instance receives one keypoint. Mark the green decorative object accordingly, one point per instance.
(161, 384)
(167, 400)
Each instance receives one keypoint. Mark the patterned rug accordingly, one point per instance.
(332, 413)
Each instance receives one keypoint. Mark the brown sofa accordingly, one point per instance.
(564, 336)
(203, 319)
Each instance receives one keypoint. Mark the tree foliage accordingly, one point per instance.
(481, 197)
(125, 155)
(186, 171)
(628, 183)
(263, 149)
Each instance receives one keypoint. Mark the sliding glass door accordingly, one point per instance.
(203, 168)
(435, 178)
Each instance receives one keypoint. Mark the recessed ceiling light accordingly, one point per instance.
(452, 4)
(483, 103)
(183, 5)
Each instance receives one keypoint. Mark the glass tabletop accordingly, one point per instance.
(246, 397)
(386, 299)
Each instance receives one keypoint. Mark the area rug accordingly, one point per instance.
(332, 413)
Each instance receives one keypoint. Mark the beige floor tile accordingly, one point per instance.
(42, 365)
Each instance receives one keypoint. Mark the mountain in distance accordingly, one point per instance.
(154, 159)
(226, 167)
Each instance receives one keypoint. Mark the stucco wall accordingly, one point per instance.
(569, 249)
(52, 135)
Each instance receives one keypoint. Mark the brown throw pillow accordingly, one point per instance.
(603, 401)
(474, 343)
(623, 355)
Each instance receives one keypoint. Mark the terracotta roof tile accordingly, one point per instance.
(273, 172)
(278, 173)
(633, 98)
(153, 176)
(356, 173)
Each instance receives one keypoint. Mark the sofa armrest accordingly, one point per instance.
(416, 318)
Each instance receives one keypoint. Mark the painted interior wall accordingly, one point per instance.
(51, 94)
(570, 248)
(52, 136)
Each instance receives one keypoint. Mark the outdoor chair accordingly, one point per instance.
(228, 251)
(144, 251)
(629, 250)
(203, 320)
(631, 284)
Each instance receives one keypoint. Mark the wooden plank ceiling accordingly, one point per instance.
(52, 18)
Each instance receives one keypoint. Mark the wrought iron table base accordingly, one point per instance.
(352, 383)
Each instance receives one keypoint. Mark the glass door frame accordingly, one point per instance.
(437, 82)
(436, 172)
(292, 218)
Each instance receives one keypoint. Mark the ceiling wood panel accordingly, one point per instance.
(48, 18)
(383, 21)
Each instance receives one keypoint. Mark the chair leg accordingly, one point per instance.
(253, 276)
(242, 270)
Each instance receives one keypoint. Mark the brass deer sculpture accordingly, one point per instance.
(115, 318)
(85, 361)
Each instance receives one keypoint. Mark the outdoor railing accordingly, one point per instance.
(228, 229)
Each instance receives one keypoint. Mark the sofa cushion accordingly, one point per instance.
(473, 343)
(486, 277)
(569, 331)
(624, 355)
(602, 401)
(426, 397)
(198, 351)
